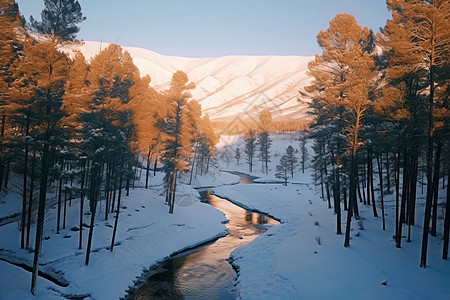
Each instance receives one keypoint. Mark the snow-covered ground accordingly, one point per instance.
(147, 233)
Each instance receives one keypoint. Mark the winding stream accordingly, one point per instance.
(204, 272)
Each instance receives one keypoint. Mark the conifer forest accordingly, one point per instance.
(114, 160)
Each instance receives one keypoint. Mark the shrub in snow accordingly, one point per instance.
(318, 240)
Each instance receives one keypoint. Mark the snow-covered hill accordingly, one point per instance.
(228, 86)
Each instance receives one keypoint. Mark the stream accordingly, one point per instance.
(204, 272)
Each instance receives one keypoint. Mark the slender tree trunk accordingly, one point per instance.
(358, 188)
(321, 184)
(94, 193)
(58, 219)
(8, 168)
(65, 205)
(91, 232)
(156, 165)
(147, 171)
(30, 201)
(337, 197)
(369, 176)
(413, 187)
(437, 168)
(327, 187)
(41, 216)
(128, 177)
(374, 206)
(107, 187)
(362, 184)
(404, 199)
(114, 194)
(355, 204)
(380, 173)
(83, 175)
(345, 198)
(193, 163)
(447, 220)
(429, 199)
(173, 191)
(24, 190)
(117, 213)
(2, 162)
(397, 192)
(388, 171)
(351, 202)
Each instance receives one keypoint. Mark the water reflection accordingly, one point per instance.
(205, 273)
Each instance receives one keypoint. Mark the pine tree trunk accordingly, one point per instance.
(173, 191)
(355, 204)
(207, 164)
(337, 198)
(156, 165)
(91, 232)
(30, 201)
(58, 219)
(83, 175)
(321, 184)
(24, 190)
(437, 168)
(41, 216)
(193, 163)
(388, 172)
(8, 168)
(397, 194)
(2, 161)
(327, 187)
(114, 193)
(128, 178)
(404, 199)
(65, 205)
(345, 198)
(380, 174)
(117, 212)
(447, 220)
(358, 188)
(369, 176)
(374, 206)
(147, 171)
(94, 193)
(351, 202)
(413, 187)
(429, 199)
(107, 205)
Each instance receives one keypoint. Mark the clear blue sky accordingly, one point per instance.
(209, 28)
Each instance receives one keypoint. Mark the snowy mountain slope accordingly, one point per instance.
(228, 86)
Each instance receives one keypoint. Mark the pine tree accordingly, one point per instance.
(283, 168)
(48, 68)
(263, 143)
(303, 152)
(178, 144)
(237, 155)
(59, 20)
(343, 78)
(263, 140)
(292, 159)
(10, 52)
(250, 148)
